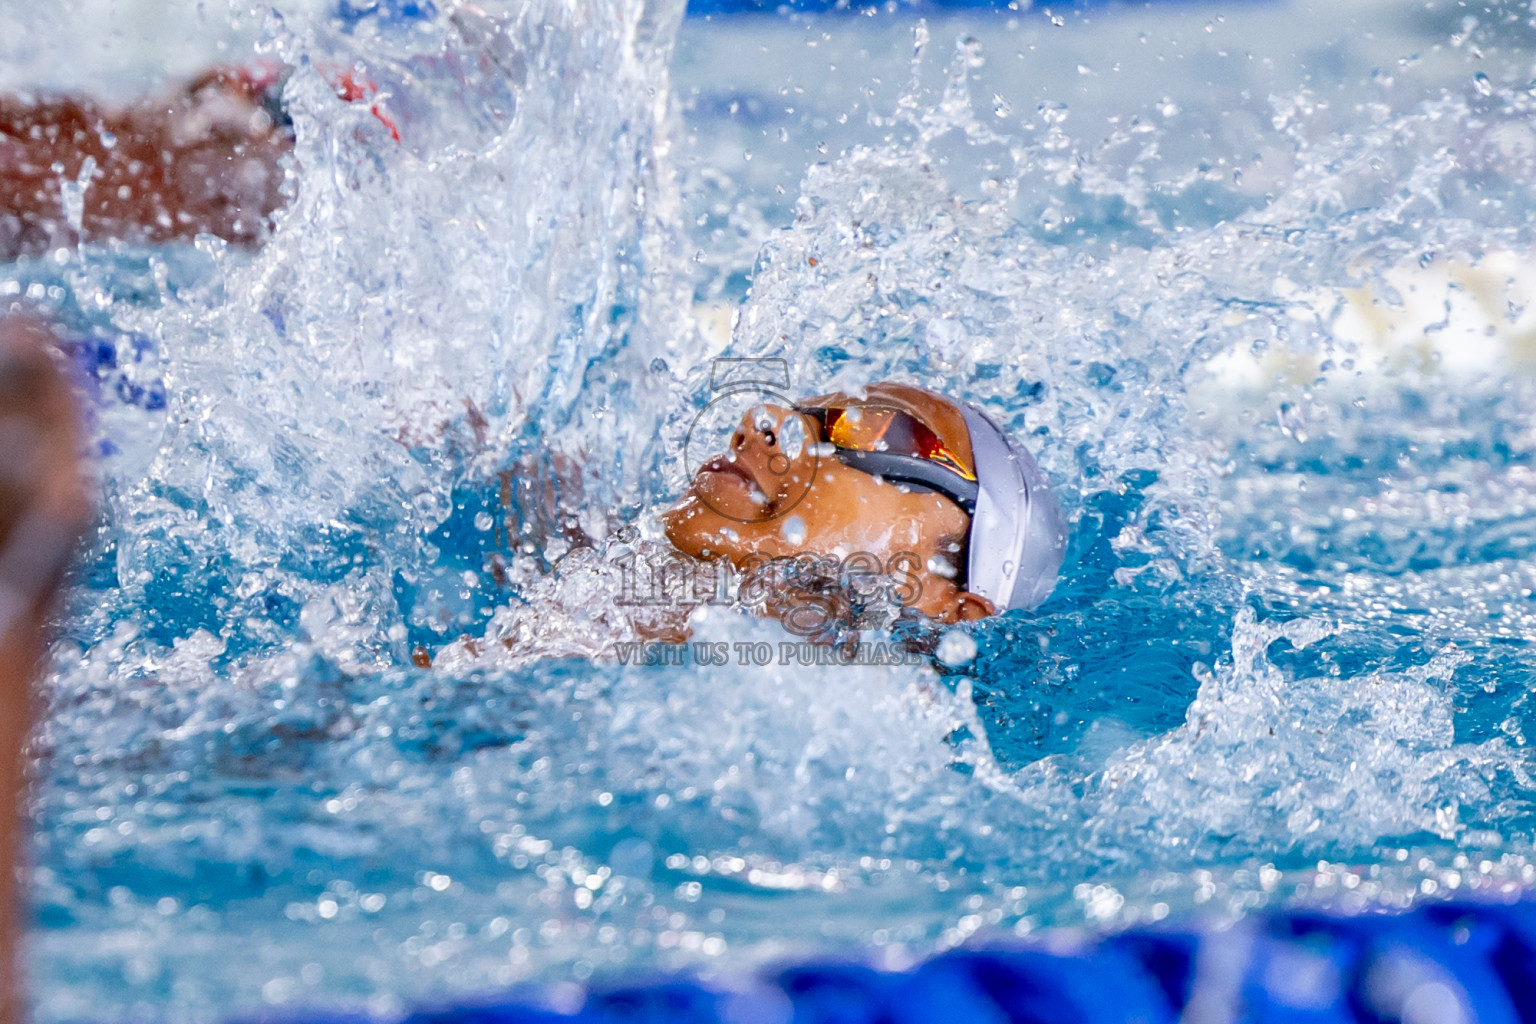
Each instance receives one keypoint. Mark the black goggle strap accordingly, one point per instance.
(911, 470)
(914, 472)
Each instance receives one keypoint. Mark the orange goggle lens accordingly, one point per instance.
(871, 428)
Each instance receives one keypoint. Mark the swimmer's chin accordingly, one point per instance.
(713, 507)
(697, 530)
(684, 530)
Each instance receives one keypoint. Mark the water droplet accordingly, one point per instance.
(1000, 106)
(74, 203)
(956, 648)
(1053, 112)
(970, 47)
(483, 521)
(792, 436)
(793, 530)
(941, 566)
(1482, 85)
(74, 193)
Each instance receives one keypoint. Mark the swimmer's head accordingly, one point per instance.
(897, 473)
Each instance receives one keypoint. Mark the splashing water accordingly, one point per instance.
(1275, 367)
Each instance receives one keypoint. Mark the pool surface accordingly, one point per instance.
(1255, 282)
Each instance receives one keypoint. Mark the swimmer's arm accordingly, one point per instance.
(42, 510)
(206, 160)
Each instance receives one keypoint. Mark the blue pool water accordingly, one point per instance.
(1255, 282)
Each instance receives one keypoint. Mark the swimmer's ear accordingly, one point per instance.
(969, 607)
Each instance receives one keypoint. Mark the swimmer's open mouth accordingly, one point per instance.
(726, 466)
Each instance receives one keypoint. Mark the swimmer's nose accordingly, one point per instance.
(760, 438)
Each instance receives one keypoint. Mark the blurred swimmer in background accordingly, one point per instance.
(201, 159)
(43, 509)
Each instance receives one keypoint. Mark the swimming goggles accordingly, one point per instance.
(1018, 535)
(897, 446)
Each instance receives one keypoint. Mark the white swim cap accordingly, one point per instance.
(912, 436)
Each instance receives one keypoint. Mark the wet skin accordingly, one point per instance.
(42, 509)
(769, 498)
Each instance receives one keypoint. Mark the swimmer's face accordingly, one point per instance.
(778, 493)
